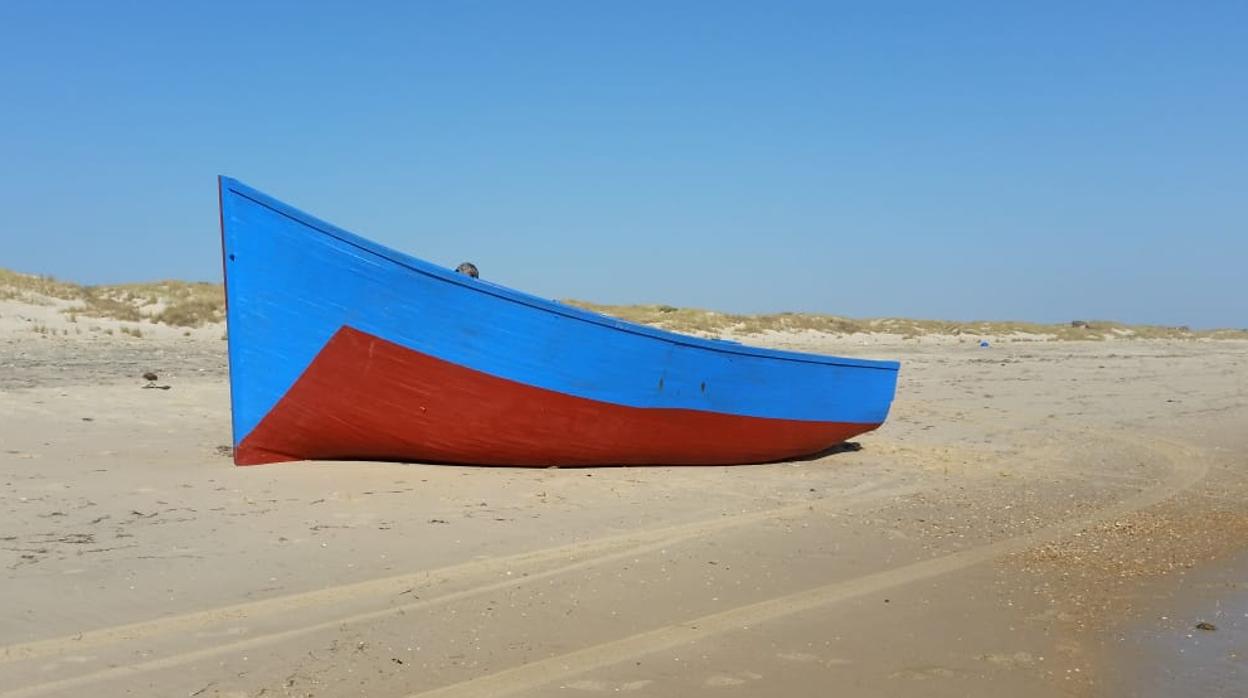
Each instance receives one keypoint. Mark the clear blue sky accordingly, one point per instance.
(937, 159)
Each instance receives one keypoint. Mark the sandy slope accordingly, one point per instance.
(1021, 507)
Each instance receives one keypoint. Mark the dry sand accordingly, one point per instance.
(1029, 511)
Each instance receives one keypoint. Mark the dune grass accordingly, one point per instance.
(693, 320)
(177, 303)
(194, 304)
(30, 288)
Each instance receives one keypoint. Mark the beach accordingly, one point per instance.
(1032, 516)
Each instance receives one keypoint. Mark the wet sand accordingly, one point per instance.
(1026, 507)
(1191, 640)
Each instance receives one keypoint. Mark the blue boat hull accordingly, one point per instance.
(479, 373)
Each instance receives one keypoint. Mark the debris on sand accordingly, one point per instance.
(151, 379)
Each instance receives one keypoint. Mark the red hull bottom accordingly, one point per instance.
(364, 398)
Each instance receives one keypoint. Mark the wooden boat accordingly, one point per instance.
(343, 349)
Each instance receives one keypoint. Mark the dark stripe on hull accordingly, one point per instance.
(364, 398)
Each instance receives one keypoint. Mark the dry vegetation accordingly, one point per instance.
(178, 303)
(193, 304)
(711, 322)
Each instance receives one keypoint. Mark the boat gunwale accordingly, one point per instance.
(512, 295)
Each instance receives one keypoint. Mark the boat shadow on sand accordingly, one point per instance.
(845, 447)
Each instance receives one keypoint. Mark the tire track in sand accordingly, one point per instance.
(1187, 467)
(582, 555)
(1185, 471)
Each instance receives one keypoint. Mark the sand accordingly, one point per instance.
(1026, 515)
